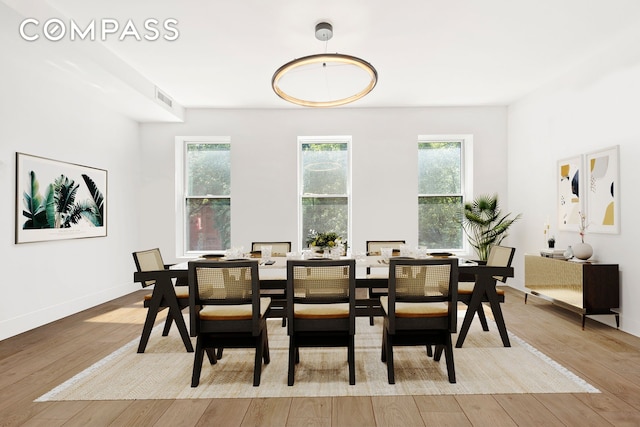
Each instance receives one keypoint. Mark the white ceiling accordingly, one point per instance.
(426, 52)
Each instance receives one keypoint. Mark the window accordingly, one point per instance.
(324, 186)
(441, 191)
(204, 199)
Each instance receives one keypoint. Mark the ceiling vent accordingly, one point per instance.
(165, 99)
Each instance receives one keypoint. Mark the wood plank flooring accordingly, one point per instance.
(36, 361)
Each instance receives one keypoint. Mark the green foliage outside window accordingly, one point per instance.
(440, 195)
(324, 200)
(208, 205)
(209, 169)
(439, 222)
(326, 214)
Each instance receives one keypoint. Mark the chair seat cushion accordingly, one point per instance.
(321, 311)
(417, 309)
(233, 311)
(181, 292)
(466, 288)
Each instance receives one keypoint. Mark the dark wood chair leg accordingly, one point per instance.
(482, 318)
(265, 350)
(257, 363)
(472, 308)
(494, 303)
(167, 324)
(211, 355)
(152, 313)
(219, 353)
(448, 354)
(383, 353)
(370, 308)
(351, 357)
(390, 370)
(197, 363)
(292, 361)
(438, 353)
(176, 314)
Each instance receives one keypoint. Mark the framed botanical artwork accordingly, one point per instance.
(58, 200)
(569, 197)
(602, 191)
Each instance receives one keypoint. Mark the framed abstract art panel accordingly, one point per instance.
(602, 191)
(569, 193)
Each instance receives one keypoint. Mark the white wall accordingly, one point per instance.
(51, 108)
(593, 107)
(45, 116)
(264, 143)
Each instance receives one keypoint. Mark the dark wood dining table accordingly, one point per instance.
(273, 282)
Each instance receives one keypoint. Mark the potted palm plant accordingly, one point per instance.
(485, 225)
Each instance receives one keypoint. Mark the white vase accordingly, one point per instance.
(582, 251)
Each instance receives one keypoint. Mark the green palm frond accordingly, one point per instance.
(65, 196)
(484, 224)
(39, 211)
(89, 211)
(98, 199)
(65, 193)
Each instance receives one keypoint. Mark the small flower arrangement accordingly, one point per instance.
(582, 227)
(325, 240)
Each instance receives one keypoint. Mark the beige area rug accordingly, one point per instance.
(483, 366)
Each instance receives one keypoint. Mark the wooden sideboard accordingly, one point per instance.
(584, 288)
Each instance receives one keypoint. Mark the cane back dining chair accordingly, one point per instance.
(226, 311)
(321, 308)
(278, 249)
(149, 263)
(374, 246)
(373, 249)
(499, 256)
(278, 298)
(420, 309)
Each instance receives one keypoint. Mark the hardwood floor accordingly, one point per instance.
(34, 362)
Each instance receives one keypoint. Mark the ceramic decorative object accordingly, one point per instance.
(568, 254)
(582, 251)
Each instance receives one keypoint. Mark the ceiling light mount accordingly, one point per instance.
(324, 31)
(324, 80)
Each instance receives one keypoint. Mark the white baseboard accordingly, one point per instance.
(30, 320)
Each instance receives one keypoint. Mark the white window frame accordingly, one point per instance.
(303, 234)
(181, 143)
(466, 171)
